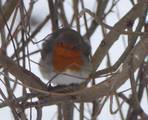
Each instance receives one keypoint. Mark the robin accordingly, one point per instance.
(65, 58)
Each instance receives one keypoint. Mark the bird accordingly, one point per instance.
(65, 58)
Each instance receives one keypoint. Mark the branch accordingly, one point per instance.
(139, 52)
(6, 11)
(113, 35)
(25, 76)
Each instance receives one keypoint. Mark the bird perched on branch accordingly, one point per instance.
(65, 58)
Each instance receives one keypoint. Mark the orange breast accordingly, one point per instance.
(66, 59)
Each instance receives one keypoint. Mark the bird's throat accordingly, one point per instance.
(64, 59)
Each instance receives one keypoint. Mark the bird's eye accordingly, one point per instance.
(60, 44)
(76, 46)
